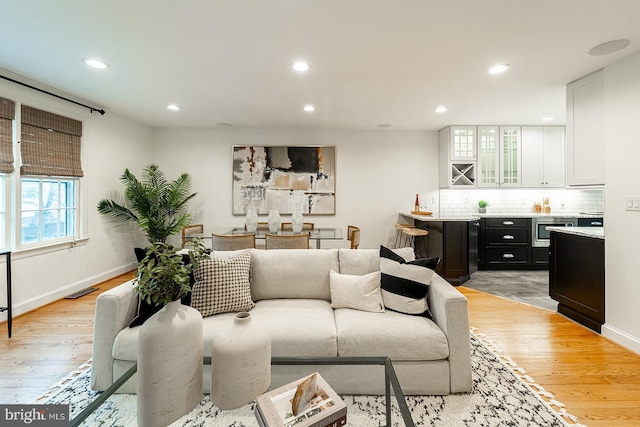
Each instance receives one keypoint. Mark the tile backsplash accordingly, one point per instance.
(463, 202)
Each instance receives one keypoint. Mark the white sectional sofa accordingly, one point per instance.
(291, 289)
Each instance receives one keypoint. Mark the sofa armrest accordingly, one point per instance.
(115, 309)
(449, 309)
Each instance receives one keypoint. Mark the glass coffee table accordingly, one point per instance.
(390, 380)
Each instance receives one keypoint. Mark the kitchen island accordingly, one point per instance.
(453, 239)
(576, 274)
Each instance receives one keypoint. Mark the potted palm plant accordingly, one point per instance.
(157, 205)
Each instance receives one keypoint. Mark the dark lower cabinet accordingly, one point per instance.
(540, 257)
(505, 244)
(456, 244)
(576, 278)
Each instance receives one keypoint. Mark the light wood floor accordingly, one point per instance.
(597, 380)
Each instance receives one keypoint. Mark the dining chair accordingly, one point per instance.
(223, 242)
(353, 235)
(190, 231)
(286, 241)
(306, 226)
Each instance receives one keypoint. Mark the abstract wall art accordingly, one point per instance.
(284, 178)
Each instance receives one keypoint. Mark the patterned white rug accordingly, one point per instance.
(503, 395)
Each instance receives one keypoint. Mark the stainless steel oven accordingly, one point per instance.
(540, 233)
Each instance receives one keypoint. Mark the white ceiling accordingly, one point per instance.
(373, 61)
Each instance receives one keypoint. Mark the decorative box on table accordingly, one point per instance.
(325, 409)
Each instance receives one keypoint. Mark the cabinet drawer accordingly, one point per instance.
(590, 222)
(509, 222)
(516, 236)
(516, 255)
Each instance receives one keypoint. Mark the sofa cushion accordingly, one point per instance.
(292, 273)
(405, 284)
(125, 346)
(222, 284)
(390, 334)
(363, 261)
(357, 292)
(298, 327)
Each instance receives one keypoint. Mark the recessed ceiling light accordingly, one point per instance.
(95, 63)
(173, 107)
(309, 108)
(301, 66)
(441, 109)
(548, 118)
(384, 125)
(499, 68)
(609, 47)
(225, 125)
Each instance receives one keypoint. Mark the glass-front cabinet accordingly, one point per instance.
(499, 156)
(457, 156)
(488, 158)
(463, 143)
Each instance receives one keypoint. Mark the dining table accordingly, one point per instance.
(317, 234)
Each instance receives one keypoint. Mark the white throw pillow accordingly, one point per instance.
(357, 292)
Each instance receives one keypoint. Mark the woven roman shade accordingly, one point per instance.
(50, 144)
(7, 113)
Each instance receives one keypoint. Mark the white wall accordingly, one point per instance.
(378, 173)
(622, 242)
(110, 144)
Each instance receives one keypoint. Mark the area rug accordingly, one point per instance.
(503, 395)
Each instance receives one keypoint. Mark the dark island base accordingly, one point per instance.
(590, 323)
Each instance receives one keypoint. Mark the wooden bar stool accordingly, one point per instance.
(400, 237)
(411, 234)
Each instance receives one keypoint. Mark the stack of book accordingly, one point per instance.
(320, 407)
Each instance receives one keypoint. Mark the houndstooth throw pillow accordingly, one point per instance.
(222, 285)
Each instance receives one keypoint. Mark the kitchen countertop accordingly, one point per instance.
(428, 218)
(595, 232)
(542, 215)
(472, 217)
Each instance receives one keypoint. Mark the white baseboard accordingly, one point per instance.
(57, 294)
(620, 337)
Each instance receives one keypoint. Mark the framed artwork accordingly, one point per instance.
(284, 178)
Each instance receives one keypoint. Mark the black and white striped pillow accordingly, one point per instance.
(404, 284)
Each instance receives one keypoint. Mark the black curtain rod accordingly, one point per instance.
(92, 109)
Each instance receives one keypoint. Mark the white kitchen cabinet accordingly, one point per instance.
(463, 143)
(499, 156)
(543, 163)
(585, 131)
(457, 156)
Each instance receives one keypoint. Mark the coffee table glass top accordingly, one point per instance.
(391, 383)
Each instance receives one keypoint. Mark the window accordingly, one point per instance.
(48, 209)
(7, 115)
(50, 172)
(39, 206)
(3, 212)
